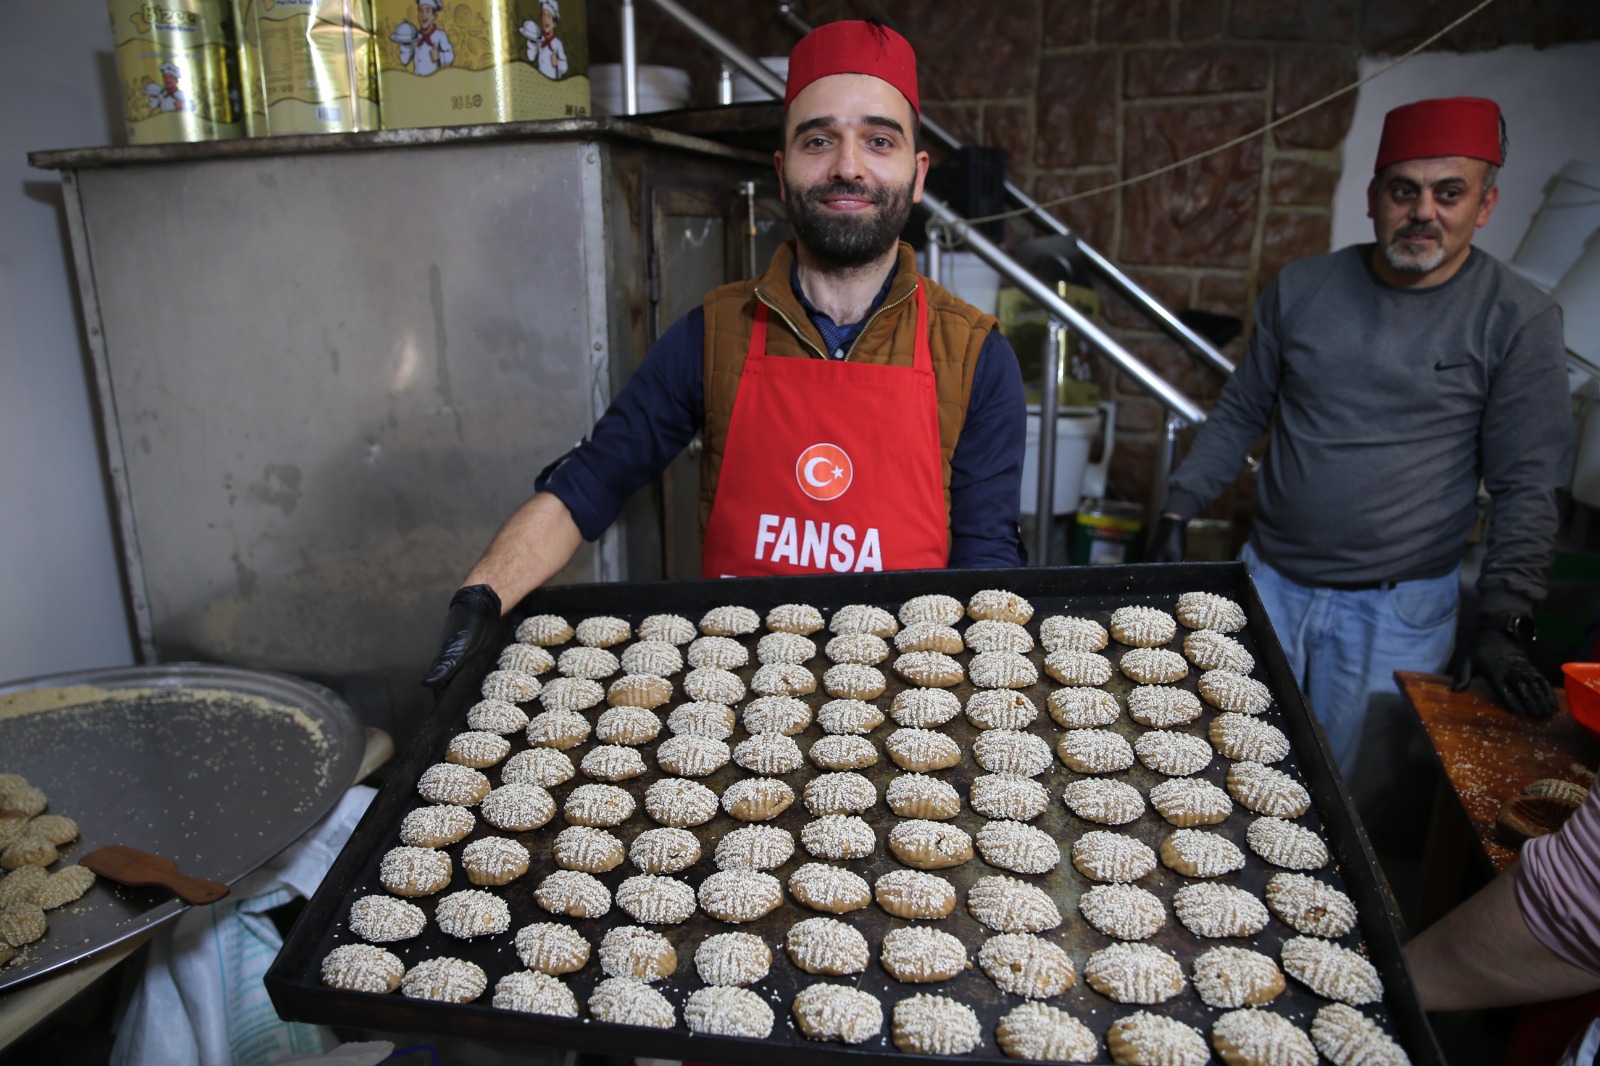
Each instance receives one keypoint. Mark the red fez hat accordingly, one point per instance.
(853, 47)
(1459, 125)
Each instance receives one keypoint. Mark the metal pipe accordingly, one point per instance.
(1119, 281)
(736, 56)
(1045, 508)
(748, 190)
(791, 15)
(630, 61)
(1166, 459)
(1045, 297)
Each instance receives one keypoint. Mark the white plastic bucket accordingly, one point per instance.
(1076, 430)
(1570, 215)
(970, 278)
(660, 88)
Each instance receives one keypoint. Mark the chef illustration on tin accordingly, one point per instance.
(167, 96)
(424, 47)
(545, 49)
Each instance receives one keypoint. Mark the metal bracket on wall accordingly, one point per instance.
(105, 395)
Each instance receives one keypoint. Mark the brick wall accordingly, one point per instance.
(1082, 93)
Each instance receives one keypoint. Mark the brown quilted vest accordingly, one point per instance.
(956, 334)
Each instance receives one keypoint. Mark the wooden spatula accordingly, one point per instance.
(130, 866)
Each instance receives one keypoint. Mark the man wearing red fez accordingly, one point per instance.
(1401, 374)
(855, 416)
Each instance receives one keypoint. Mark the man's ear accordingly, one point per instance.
(922, 176)
(777, 164)
(1485, 209)
(1372, 194)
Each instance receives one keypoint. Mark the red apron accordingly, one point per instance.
(829, 467)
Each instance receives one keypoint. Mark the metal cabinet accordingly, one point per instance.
(329, 367)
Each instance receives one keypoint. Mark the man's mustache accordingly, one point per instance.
(854, 190)
(1419, 231)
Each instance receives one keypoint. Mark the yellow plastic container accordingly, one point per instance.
(173, 70)
(465, 62)
(1108, 531)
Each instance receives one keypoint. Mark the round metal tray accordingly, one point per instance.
(215, 767)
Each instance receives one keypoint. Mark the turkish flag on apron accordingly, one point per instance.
(829, 467)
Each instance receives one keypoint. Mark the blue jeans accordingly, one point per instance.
(1344, 647)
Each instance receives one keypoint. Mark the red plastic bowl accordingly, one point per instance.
(1583, 693)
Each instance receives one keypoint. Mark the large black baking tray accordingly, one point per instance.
(1094, 591)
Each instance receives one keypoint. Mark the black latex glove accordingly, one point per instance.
(1503, 662)
(1169, 541)
(470, 623)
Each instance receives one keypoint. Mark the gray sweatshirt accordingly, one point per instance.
(1391, 404)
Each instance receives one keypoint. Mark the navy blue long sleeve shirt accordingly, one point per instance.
(662, 407)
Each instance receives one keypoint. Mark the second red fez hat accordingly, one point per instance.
(1457, 125)
(853, 47)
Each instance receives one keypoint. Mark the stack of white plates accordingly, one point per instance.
(660, 88)
(746, 91)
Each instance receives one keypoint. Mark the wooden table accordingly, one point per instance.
(1488, 754)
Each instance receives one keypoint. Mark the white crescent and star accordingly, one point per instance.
(810, 472)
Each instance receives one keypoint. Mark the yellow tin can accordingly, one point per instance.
(309, 66)
(173, 61)
(464, 62)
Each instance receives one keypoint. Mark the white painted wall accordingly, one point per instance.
(61, 595)
(1549, 99)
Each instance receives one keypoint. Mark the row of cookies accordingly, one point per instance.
(649, 690)
(1019, 963)
(1250, 1037)
(861, 629)
(1134, 626)
(698, 746)
(418, 867)
(632, 958)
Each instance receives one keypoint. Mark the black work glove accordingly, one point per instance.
(470, 623)
(1169, 541)
(1503, 661)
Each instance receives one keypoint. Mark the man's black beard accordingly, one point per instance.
(844, 241)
